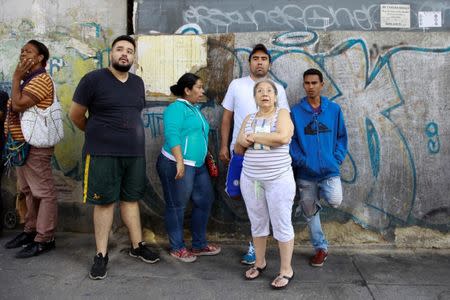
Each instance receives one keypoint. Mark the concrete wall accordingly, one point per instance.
(217, 16)
(393, 88)
(78, 35)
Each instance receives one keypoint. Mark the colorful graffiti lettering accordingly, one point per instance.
(395, 136)
(153, 121)
(381, 171)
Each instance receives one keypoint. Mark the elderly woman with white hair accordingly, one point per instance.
(267, 180)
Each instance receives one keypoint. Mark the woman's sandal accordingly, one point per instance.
(254, 269)
(279, 277)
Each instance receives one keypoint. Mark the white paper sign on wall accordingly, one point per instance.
(430, 19)
(395, 16)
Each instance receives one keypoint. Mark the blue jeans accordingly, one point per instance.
(195, 186)
(311, 192)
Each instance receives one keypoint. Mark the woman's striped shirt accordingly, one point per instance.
(40, 89)
(265, 163)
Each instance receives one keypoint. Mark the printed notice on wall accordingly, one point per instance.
(395, 16)
(430, 19)
(162, 59)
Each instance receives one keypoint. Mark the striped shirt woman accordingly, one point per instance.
(263, 162)
(267, 181)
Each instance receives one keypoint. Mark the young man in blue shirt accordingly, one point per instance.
(318, 148)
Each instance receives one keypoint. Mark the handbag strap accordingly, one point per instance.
(55, 98)
(8, 114)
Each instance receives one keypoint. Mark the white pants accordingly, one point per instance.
(270, 201)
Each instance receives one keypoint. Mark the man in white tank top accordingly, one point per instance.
(238, 103)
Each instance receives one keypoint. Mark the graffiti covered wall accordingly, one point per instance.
(217, 16)
(393, 89)
(78, 37)
(392, 86)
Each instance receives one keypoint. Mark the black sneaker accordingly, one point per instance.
(35, 248)
(98, 269)
(144, 253)
(22, 239)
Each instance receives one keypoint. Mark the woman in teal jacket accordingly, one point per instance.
(181, 168)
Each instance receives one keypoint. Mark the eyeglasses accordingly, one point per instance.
(268, 91)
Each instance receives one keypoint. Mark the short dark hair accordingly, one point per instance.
(42, 50)
(313, 72)
(188, 80)
(124, 38)
(260, 47)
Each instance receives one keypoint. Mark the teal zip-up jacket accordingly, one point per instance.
(185, 125)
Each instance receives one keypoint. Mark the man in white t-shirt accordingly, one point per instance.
(238, 103)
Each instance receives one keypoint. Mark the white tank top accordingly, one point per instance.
(262, 162)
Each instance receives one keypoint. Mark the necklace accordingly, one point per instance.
(269, 114)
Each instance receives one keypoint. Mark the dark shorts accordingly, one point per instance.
(108, 179)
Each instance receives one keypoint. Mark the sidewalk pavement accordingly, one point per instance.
(359, 274)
